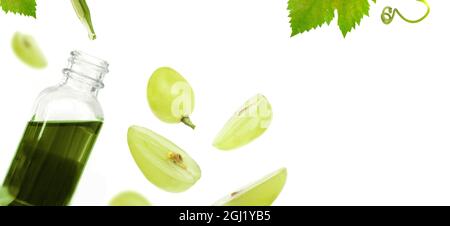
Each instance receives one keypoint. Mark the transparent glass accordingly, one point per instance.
(58, 139)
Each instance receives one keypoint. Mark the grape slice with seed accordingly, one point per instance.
(247, 124)
(261, 193)
(162, 162)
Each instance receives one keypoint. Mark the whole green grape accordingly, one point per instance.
(247, 124)
(129, 198)
(170, 96)
(162, 162)
(261, 193)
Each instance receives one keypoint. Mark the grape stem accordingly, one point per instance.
(187, 121)
(388, 14)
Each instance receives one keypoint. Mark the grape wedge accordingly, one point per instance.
(247, 124)
(28, 51)
(129, 198)
(170, 96)
(262, 193)
(161, 161)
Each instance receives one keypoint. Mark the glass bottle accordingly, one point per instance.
(59, 137)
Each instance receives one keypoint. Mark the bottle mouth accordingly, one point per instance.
(86, 68)
(82, 57)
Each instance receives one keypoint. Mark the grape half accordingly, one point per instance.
(161, 161)
(129, 198)
(170, 96)
(28, 51)
(247, 124)
(262, 193)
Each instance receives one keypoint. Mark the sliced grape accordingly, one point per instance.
(247, 124)
(129, 198)
(262, 193)
(28, 51)
(161, 161)
(84, 14)
(170, 96)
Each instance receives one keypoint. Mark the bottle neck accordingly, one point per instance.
(84, 73)
(74, 83)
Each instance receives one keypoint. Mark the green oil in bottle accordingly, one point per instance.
(49, 162)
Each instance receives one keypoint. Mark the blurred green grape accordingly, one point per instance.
(129, 198)
(28, 51)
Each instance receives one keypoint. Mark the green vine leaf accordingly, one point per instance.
(310, 14)
(21, 7)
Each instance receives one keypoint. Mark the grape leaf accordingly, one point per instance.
(22, 7)
(310, 14)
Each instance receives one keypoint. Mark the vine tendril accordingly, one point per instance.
(389, 13)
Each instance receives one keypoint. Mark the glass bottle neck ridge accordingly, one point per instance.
(85, 72)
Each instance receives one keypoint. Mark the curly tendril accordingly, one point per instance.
(388, 14)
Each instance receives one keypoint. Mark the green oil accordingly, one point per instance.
(49, 162)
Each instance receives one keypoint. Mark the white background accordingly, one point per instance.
(358, 121)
